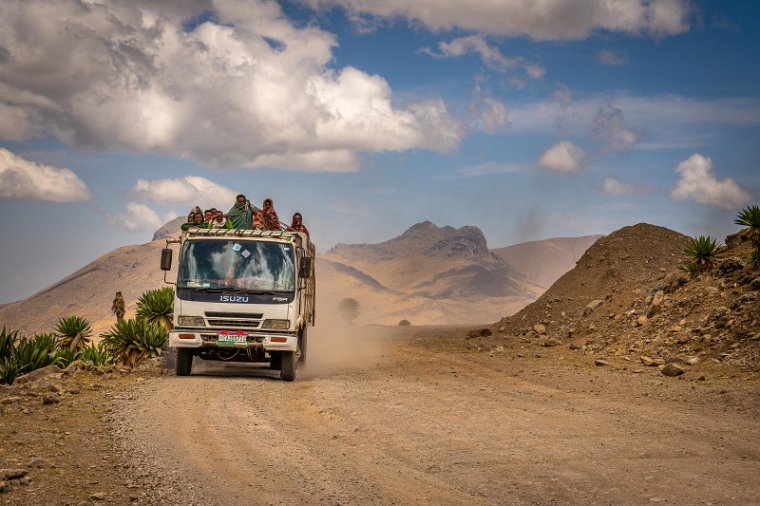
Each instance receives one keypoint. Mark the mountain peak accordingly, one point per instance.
(420, 229)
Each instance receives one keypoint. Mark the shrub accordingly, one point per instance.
(349, 309)
(7, 343)
(36, 352)
(702, 251)
(134, 340)
(73, 332)
(749, 217)
(8, 370)
(64, 356)
(690, 268)
(157, 307)
(404, 323)
(97, 354)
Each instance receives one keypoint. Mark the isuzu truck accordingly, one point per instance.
(242, 295)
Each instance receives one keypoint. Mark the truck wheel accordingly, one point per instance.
(184, 364)
(288, 366)
(275, 360)
(301, 353)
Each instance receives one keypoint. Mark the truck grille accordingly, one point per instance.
(248, 324)
(220, 314)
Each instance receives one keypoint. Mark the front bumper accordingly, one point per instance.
(269, 341)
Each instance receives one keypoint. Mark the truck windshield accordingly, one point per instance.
(239, 265)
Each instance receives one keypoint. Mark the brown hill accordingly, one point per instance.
(428, 275)
(439, 263)
(89, 291)
(615, 269)
(544, 262)
(629, 298)
(382, 305)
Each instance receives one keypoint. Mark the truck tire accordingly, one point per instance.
(288, 365)
(184, 362)
(301, 353)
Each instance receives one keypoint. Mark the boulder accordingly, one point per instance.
(591, 306)
(37, 374)
(728, 265)
(12, 474)
(672, 370)
(539, 328)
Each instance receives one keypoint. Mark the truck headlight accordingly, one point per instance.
(276, 324)
(191, 321)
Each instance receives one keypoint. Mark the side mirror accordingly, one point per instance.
(306, 264)
(166, 259)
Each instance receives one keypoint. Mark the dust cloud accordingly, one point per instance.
(335, 346)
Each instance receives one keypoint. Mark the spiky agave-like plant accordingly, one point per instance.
(73, 332)
(7, 343)
(749, 217)
(36, 352)
(689, 268)
(8, 361)
(157, 307)
(134, 340)
(97, 354)
(702, 251)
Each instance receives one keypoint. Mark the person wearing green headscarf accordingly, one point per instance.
(240, 215)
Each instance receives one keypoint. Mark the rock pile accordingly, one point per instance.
(628, 297)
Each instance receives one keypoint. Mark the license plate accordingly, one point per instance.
(231, 337)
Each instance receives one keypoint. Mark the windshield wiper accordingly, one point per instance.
(205, 289)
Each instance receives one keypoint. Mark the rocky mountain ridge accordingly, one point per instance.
(437, 262)
(428, 275)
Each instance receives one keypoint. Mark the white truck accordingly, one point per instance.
(242, 295)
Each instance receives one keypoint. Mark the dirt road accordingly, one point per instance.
(421, 420)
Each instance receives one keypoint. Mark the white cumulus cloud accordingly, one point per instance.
(192, 190)
(242, 86)
(697, 181)
(563, 157)
(537, 19)
(21, 179)
(616, 187)
(136, 217)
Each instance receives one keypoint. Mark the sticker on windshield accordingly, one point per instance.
(236, 247)
(246, 253)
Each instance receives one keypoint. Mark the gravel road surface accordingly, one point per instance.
(417, 418)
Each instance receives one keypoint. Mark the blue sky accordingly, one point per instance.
(528, 119)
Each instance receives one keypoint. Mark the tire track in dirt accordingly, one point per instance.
(435, 426)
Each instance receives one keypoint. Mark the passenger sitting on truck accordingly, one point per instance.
(240, 215)
(266, 217)
(194, 220)
(220, 221)
(297, 225)
(208, 216)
